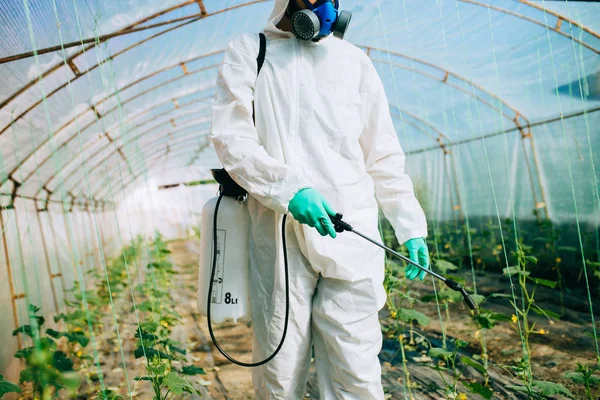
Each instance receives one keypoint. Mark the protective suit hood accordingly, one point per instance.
(276, 16)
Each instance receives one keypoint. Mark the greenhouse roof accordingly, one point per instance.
(134, 100)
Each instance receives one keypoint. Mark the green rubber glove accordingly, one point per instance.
(309, 207)
(417, 249)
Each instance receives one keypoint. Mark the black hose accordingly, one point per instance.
(210, 289)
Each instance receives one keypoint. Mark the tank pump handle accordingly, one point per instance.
(341, 226)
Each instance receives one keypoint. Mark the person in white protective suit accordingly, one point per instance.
(322, 121)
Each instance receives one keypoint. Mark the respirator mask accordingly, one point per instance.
(318, 20)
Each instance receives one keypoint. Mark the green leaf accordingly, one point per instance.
(567, 248)
(145, 335)
(500, 317)
(33, 309)
(540, 311)
(75, 337)
(531, 259)
(407, 315)
(69, 381)
(8, 387)
(551, 388)
(177, 384)
(516, 388)
(474, 364)
(150, 353)
(142, 378)
(26, 375)
(550, 284)
(481, 390)
(477, 298)
(25, 330)
(177, 349)
(575, 377)
(192, 370)
(510, 271)
(24, 353)
(61, 362)
(444, 266)
(439, 352)
(485, 321)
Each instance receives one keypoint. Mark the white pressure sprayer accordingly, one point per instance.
(230, 299)
(223, 293)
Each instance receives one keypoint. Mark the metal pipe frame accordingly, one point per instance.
(148, 160)
(144, 160)
(90, 144)
(119, 150)
(11, 285)
(110, 169)
(555, 29)
(155, 158)
(51, 276)
(79, 74)
(94, 107)
(60, 269)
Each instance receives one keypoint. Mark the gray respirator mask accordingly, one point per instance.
(318, 20)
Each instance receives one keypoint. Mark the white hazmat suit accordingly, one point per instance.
(322, 121)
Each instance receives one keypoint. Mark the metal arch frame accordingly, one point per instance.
(447, 74)
(147, 110)
(114, 152)
(154, 159)
(555, 29)
(99, 116)
(142, 164)
(70, 60)
(125, 30)
(113, 166)
(524, 129)
(132, 181)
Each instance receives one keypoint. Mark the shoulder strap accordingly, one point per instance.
(262, 51)
(260, 60)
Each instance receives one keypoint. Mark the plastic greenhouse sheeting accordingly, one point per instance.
(474, 73)
(496, 104)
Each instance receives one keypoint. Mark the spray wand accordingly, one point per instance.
(341, 226)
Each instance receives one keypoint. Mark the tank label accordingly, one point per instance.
(217, 293)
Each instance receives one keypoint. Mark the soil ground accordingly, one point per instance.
(553, 354)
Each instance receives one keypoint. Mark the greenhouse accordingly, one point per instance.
(106, 120)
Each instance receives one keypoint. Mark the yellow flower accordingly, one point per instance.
(393, 314)
(164, 323)
(401, 338)
(79, 353)
(558, 260)
(499, 247)
(477, 333)
(447, 245)
(78, 329)
(542, 331)
(514, 319)
(479, 261)
(461, 396)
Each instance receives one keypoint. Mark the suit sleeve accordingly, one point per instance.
(385, 159)
(234, 136)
